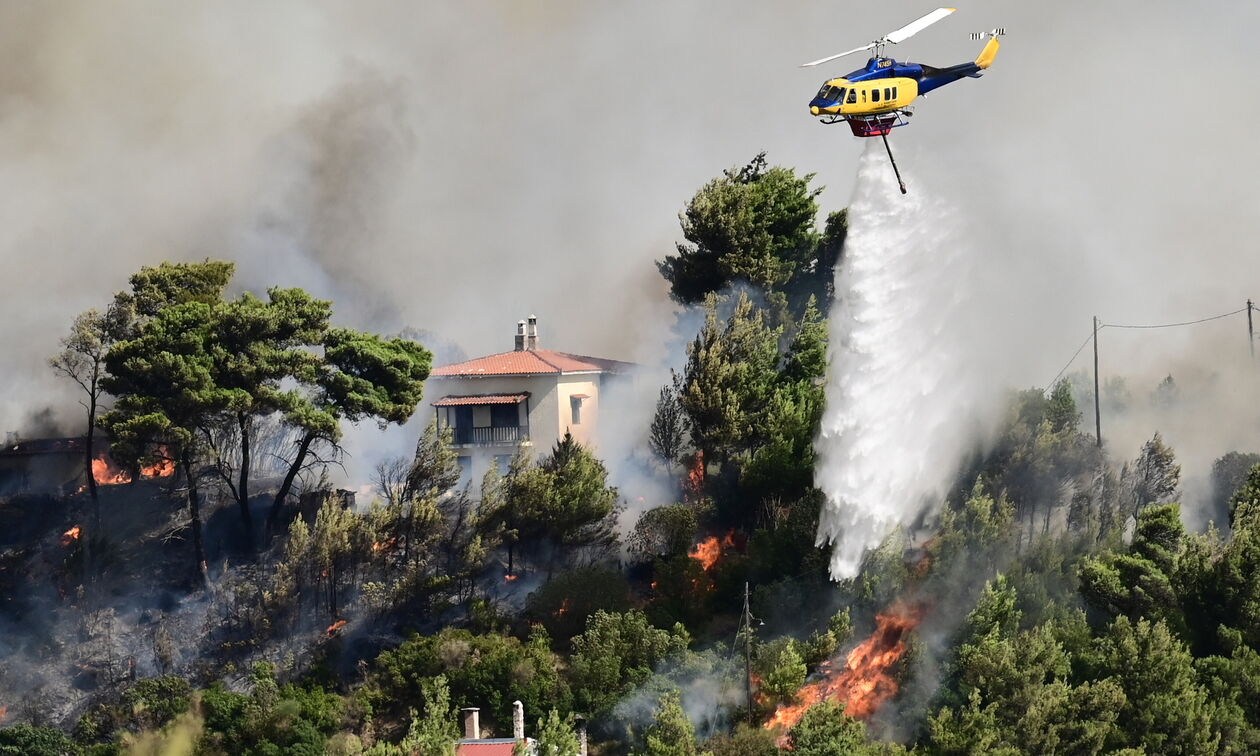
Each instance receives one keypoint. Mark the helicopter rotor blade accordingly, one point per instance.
(918, 25)
(838, 55)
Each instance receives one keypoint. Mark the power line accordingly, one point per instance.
(1075, 354)
(1101, 326)
(1176, 325)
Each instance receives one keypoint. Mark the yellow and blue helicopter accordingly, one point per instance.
(876, 99)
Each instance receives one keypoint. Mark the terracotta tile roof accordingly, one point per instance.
(456, 401)
(527, 362)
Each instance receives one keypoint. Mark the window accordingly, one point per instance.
(887, 93)
(823, 92)
(504, 416)
(875, 95)
(852, 96)
(503, 462)
(840, 95)
(863, 96)
(894, 93)
(575, 404)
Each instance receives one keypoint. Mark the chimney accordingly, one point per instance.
(472, 723)
(518, 720)
(531, 335)
(581, 733)
(520, 335)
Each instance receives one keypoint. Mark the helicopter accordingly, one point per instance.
(876, 99)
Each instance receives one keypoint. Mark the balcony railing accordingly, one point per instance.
(507, 434)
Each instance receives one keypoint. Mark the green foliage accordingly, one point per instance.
(780, 668)
(488, 671)
(28, 740)
(670, 733)
(744, 741)
(664, 531)
(753, 224)
(1165, 709)
(729, 378)
(1244, 504)
(556, 736)
(825, 730)
(670, 426)
(1141, 583)
(617, 653)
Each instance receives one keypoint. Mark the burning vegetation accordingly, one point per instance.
(865, 681)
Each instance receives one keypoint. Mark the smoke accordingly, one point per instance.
(903, 392)
(451, 166)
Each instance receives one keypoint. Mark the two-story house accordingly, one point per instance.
(526, 397)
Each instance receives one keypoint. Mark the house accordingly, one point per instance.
(473, 744)
(528, 397)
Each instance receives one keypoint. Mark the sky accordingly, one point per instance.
(455, 166)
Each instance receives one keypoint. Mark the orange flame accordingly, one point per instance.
(864, 683)
(510, 578)
(71, 535)
(709, 551)
(564, 608)
(334, 627)
(4, 712)
(693, 485)
(380, 547)
(106, 473)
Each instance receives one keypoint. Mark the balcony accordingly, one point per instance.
(500, 435)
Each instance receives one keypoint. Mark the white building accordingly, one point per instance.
(526, 397)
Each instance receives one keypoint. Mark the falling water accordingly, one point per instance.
(901, 387)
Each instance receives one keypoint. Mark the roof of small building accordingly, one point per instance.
(530, 362)
(456, 401)
(487, 747)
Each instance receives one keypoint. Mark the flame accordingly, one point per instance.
(863, 684)
(564, 608)
(163, 468)
(510, 578)
(106, 473)
(334, 627)
(709, 551)
(693, 485)
(380, 547)
(71, 535)
(4, 712)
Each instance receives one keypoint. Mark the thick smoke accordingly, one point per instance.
(454, 166)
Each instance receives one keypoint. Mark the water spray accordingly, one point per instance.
(900, 384)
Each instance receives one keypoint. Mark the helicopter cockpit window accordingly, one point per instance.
(852, 97)
(822, 93)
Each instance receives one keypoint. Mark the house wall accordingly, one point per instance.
(586, 431)
(543, 409)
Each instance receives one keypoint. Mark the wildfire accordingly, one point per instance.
(564, 608)
(4, 712)
(380, 547)
(510, 578)
(693, 485)
(709, 551)
(106, 473)
(863, 684)
(71, 535)
(334, 627)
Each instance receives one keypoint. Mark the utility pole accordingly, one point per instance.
(1251, 334)
(1097, 399)
(747, 620)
